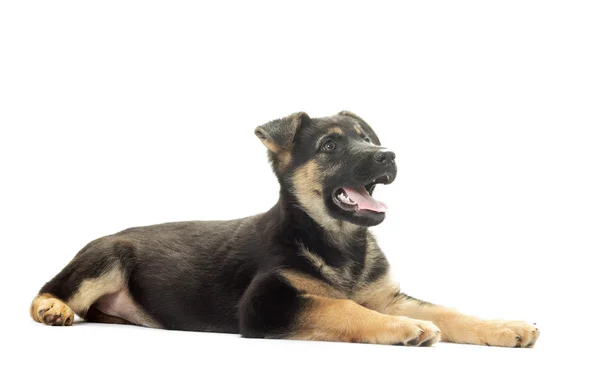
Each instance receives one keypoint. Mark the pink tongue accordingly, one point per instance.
(364, 201)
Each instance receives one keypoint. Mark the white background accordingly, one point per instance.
(118, 113)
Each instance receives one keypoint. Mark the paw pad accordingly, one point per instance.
(414, 341)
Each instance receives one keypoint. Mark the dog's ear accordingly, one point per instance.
(363, 124)
(278, 135)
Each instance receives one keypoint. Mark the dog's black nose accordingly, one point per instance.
(384, 157)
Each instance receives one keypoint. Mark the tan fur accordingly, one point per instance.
(92, 289)
(50, 310)
(358, 129)
(384, 296)
(271, 145)
(345, 321)
(309, 191)
(460, 328)
(309, 285)
(308, 188)
(378, 295)
(283, 156)
(336, 130)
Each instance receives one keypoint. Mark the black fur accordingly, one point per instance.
(222, 275)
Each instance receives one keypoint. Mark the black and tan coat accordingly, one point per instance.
(306, 269)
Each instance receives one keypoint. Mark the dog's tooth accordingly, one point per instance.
(345, 199)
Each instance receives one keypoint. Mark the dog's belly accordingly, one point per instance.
(120, 304)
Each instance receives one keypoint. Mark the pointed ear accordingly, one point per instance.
(278, 135)
(366, 127)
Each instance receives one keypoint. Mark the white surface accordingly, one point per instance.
(98, 349)
(121, 114)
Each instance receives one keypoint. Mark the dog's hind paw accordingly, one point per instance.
(51, 311)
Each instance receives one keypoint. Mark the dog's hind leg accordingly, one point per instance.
(100, 269)
(95, 315)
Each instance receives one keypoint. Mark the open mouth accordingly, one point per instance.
(358, 199)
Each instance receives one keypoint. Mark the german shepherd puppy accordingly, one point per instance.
(306, 269)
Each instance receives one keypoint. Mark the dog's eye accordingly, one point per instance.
(329, 146)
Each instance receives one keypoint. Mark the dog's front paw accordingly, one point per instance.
(413, 332)
(507, 333)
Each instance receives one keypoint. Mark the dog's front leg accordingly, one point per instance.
(272, 308)
(461, 328)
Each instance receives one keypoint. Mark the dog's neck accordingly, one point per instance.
(299, 227)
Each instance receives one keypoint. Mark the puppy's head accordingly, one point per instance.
(330, 165)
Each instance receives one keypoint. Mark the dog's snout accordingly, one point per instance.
(385, 157)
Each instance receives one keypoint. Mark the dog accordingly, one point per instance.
(307, 269)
